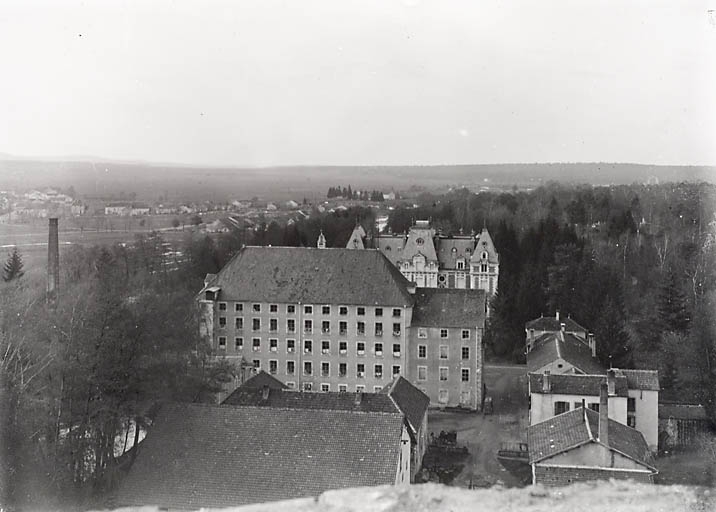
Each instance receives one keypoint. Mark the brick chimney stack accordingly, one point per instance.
(546, 384)
(603, 414)
(53, 263)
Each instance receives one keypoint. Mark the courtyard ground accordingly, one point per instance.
(482, 435)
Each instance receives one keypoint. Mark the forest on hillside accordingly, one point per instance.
(634, 264)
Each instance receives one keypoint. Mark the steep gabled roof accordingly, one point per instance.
(312, 276)
(550, 323)
(647, 380)
(412, 402)
(569, 430)
(448, 307)
(216, 456)
(356, 239)
(420, 241)
(552, 346)
(262, 380)
(576, 384)
(485, 244)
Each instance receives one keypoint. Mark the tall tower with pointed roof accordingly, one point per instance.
(484, 264)
(321, 241)
(356, 239)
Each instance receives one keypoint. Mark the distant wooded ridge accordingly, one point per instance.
(180, 182)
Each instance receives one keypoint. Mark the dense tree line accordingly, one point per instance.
(348, 193)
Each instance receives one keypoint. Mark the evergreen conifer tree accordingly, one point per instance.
(13, 266)
(673, 314)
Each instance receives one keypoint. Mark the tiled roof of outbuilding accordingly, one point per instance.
(570, 430)
(216, 456)
(551, 346)
(448, 307)
(576, 384)
(331, 401)
(412, 402)
(312, 276)
(647, 380)
(262, 379)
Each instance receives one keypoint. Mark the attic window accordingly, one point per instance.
(387, 248)
(484, 255)
(454, 249)
(420, 241)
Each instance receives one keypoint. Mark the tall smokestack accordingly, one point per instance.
(53, 263)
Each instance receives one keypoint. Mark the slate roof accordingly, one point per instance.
(485, 244)
(682, 412)
(647, 380)
(261, 380)
(215, 456)
(463, 246)
(412, 402)
(391, 246)
(576, 384)
(412, 247)
(550, 323)
(312, 276)
(356, 239)
(331, 401)
(551, 346)
(448, 307)
(570, 430)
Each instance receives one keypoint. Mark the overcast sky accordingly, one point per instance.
(268, 82)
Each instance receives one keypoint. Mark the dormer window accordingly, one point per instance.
(388, 248)
(454, 250)
(484, 255)
(461, 265)
(420, 241)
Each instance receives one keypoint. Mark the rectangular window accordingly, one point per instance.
(466, 352)
(256, 344)
(443, 396)
(325, 388)
(378, 349)
(308, 326)
(290, 345)
(342, 328)
(290, 384)
(257, 364)
(343, 310)
(396, 349)
(256, 308)
(239, 323)
(290, 367)
(443, 373)
(378, 311)
(396, 312)
(273, 308)
(631, 404)
(577, 405)
(307, 310)
(560, 407)
(631, 420)
(379, 329)
(461, 265)
(290, 325)
(222, 306)
(273, 325)
(594, 406)
(443, 333)
(360, 311)
(239, 307)
(378, 371)
(307, 346)
(291, 309)
(222, 342)
(360, 327)
(422, 351)
(239, 343)
(422, 373)
(422, 332)
(222, 321)
(326, 327)
(325, 347)
(342, 369)
(273, 366)
(256, 324)
(396, 370)
(443, 351)
(396, 329)
(342, 388)
(325, 369)
(343, 347)
(360, 346)
(307, 368)
(308, 386)
(326, 310)
(465, 374)
(377, 389)
(360, 370)
(273, 345)
(360, 388)
(483, 268)
(465, 334)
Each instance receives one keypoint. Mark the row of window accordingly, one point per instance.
(325, 387)
(443, 373)
(307, 309)
(444, 333)
(308, 346)
(562, 407)
(325, 369)
(443, 352)
(308, 326)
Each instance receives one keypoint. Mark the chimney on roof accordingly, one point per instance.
(562, 326)
(265, 393)
(611, 382)
(592, 344)
(557, 315)
(603, 415)
(53, 263)
(546, 382)
(358, 397)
